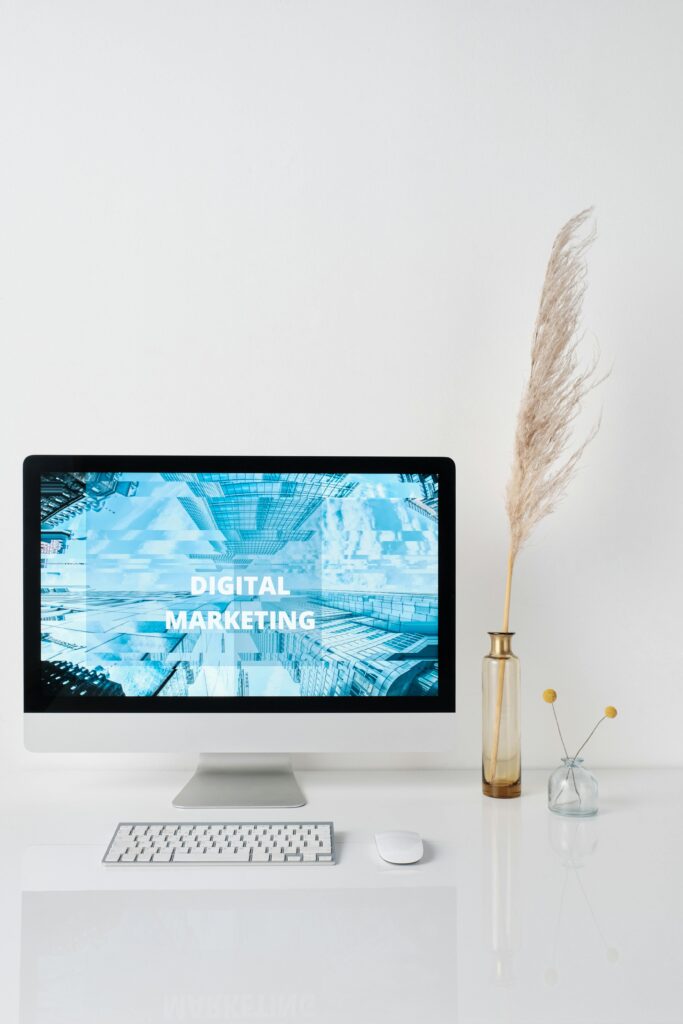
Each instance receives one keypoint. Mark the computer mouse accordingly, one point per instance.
(399, 847)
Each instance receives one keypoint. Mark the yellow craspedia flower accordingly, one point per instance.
(610, 712)
(550, 696)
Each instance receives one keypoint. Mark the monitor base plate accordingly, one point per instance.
(241, 780)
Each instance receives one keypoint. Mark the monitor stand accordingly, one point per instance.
(241, 780)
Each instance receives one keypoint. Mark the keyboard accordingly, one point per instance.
(231, 842)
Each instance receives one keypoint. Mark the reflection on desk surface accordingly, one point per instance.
(323, 955)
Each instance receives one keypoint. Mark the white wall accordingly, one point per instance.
(295, 227)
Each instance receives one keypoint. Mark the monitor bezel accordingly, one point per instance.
(36, 465)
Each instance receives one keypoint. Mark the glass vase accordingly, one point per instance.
(572, 790)
(501, 761)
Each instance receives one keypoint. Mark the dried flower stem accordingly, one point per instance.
(541, 468)
(564, 745)
(589, 735)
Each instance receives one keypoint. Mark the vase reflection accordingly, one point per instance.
(504, 890)
(575, 842)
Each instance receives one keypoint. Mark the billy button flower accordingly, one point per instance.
(610, 712)
(550, 696)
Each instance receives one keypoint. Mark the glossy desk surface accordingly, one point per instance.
(514, 916)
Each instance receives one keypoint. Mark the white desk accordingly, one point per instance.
(514, 917)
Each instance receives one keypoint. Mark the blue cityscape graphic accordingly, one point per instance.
(357, 551)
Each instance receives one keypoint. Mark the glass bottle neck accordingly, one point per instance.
(501, 645)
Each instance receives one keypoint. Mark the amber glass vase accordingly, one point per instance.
(501, 761)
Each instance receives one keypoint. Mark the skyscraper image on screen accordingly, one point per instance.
(238, 585)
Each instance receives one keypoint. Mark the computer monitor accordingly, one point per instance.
(240, 608)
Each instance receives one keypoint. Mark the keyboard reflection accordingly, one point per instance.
(295, 955)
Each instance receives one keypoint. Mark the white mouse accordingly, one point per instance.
(399, 847)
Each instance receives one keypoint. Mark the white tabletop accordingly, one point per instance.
(514, 915)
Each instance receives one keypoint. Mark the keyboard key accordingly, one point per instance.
(239, 856)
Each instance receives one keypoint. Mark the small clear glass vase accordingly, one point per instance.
(572, 790)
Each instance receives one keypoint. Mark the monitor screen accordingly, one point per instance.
(168, 587)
